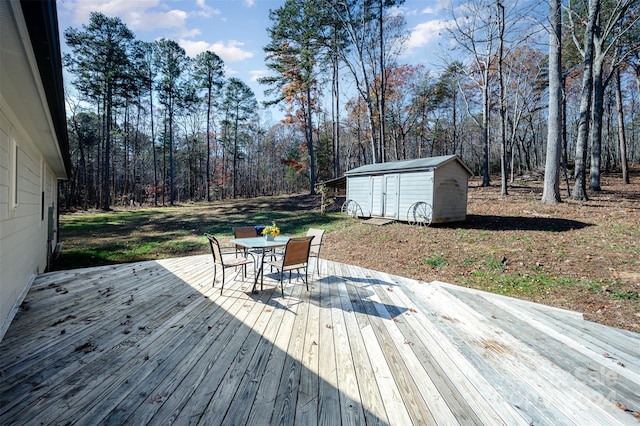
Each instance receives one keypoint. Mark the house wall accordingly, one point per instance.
(27, 189)
(31, 156)
(451, 183)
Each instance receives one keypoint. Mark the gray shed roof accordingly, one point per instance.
(417, 164)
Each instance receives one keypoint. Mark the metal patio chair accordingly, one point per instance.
(224, 262)
(295, 257)
(316, 245)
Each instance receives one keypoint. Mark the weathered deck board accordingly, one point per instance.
(154, 342)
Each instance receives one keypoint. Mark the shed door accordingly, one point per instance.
(391, 196)
(377, 195)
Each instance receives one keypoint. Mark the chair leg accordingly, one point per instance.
(222, 286)
(282, 280)
(306, 278)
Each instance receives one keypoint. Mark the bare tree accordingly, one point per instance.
(609, 31)
(580, 185)
(621, 131)
(551, 189)
(475, 32)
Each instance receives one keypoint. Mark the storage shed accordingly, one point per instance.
(420, 191)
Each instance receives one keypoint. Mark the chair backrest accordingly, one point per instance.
(244, 232)
(297, 251)
(317, 235)
(215, 249)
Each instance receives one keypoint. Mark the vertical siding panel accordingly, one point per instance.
(23, 235)
(415, 187)
(359, 190)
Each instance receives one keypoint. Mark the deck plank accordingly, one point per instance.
(168, 401)
(370, 397)
(328, 393)
(350, 403)
(262, 408)
(154, 342)
(302, 367)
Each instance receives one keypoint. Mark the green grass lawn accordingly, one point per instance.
(101, 238)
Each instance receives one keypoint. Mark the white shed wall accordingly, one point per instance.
(414, 187)
(450, 193)
(359, 190)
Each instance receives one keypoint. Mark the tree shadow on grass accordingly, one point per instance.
(516, 223)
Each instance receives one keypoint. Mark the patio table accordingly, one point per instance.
(260, 243)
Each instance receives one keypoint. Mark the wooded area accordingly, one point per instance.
(154, 126)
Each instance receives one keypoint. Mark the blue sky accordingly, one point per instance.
(236, 29)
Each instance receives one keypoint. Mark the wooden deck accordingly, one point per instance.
(152, 343)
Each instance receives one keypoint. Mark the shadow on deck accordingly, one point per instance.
(153, 342)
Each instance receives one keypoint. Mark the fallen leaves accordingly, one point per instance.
(61, 320)
(86, 347)
(626, 409)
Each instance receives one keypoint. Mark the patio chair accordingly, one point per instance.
(295, 257)
(316, 244)
(223, 262)
(244, 232)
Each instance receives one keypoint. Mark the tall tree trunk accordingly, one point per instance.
(312, 168)
(335, 114)
(153, 144)
(383, 156)
(596, 127)
(486, 180)
(208, 171)
(235, 153)
(126, 190)
(107, 153)
(551, 189)
(171, 187)
(565, 149)
(621, 131)
(503, 124)
(580, 185)
(83, 165)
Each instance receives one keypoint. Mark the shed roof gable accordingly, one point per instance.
(407, 165)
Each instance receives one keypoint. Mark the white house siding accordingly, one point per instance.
(415, 186)
(359, 190)
(450, 199)
(23, 230)
(32, 129)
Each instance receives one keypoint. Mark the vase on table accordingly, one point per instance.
(268, 237)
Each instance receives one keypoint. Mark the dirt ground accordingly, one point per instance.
(581, 256)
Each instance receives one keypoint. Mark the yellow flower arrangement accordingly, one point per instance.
(271, 229)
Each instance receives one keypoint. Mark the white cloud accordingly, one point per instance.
(249, 3)
(153, 20)
(137, 15)
(256, 74)
(230, 71)
(436, 8)
(231, 51)
(424, 33)
(206, 11)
